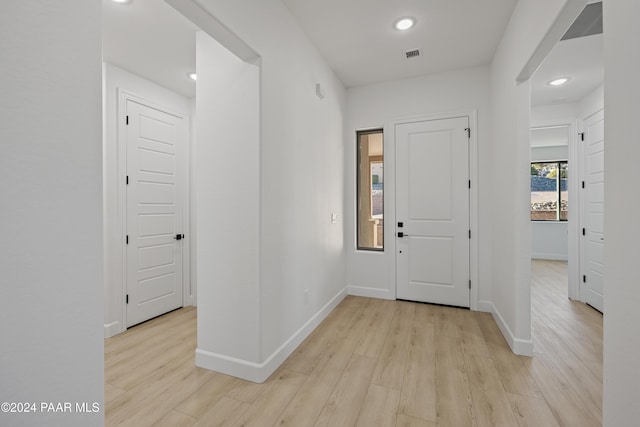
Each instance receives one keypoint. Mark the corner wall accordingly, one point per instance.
(524, 40)
(51, 189)
(227, 176)
(296, 250)
(621, 154)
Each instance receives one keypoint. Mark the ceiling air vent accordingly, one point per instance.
(412, 53)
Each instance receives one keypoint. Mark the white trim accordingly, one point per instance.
(485, 306)
(390, 172)
(259, 372)
(564, 20)
(573, 223)
(362, 291)
(113, 328)
(553, 257)
(123, 96)
(517, 345)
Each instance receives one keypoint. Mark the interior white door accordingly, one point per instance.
(155, 140)
(432, 210)
(592, 243)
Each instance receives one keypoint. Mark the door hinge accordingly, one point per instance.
(127, 239)
(127, 120)
(581, 136)
(127, 299)
(127, 179)
(584, 231)
(469, 233)
(469, 183)
(584, 279)
(469, 284)
(468, 132)
(582, 184)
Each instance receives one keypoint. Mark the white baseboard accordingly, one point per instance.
(518, 346)
(360, 291)
(259, 372)
(552, 257)
(112, 329)
(485, 306)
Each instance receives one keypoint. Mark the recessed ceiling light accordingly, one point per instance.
(559, 82)
(121, 1)
(192, 76)
(403, 24)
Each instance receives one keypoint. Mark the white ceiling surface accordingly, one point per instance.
(150, 39)
(580, 59)
(358, 40)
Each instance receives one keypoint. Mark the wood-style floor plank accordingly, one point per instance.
(392, 361)
(453, 395)
(407, 421)
(343, 406)
(304, 408)
(375, 363)
(418, 397)
(380, 407)
(531, 412)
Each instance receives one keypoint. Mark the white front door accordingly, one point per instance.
(593, 219)
(432, 211)
(155, 139)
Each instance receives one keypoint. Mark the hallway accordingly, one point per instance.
(375, 362)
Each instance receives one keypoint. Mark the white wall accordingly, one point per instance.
(114, 287)
(301, 178)
(549, 240)
(227, 174)
(591, 104)
(622, 151)
(527, 28)
(51, 190)
(376, 106)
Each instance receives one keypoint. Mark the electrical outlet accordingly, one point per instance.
(306, 296)
(334, 218)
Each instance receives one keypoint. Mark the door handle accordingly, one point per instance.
(401, 234)
(179, 236)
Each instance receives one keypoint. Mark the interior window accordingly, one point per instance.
(549, 195)
(370, 186)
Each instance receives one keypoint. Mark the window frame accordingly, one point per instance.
(360, 133)
(559, 191)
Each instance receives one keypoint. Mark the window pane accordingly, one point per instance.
(564, 193)
(370, 199)
(544, 191)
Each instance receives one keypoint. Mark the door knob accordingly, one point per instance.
(179, 236)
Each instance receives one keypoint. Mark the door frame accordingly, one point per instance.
(390, 199)
(582, 241)
(188, 270)
(575, 214)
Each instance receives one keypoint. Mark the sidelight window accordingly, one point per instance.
(370, 190)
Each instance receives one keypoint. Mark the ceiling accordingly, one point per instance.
(358, 40)
(580, 59)
(151, 39)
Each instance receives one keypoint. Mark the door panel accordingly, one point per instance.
(155, 140)
(432, 197)
(592, 247)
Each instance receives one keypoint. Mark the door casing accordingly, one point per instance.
(188, 270)
(390, 200)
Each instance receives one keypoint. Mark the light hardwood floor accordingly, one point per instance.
(375, 363)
